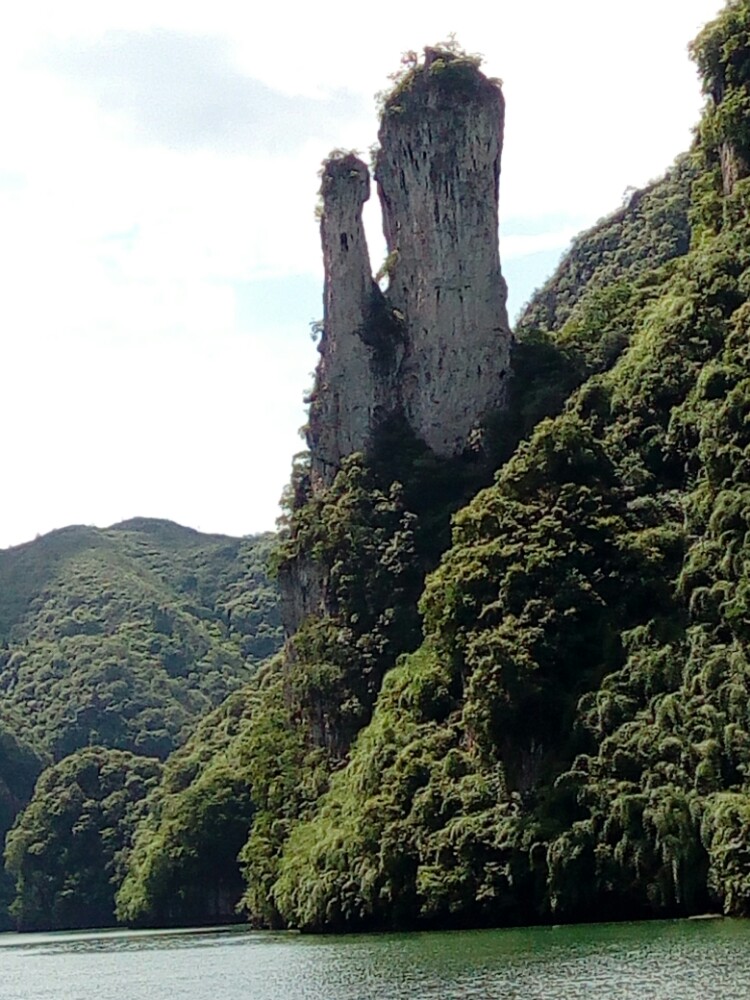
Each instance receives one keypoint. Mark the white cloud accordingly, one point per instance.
(127, 423)
(130, 387)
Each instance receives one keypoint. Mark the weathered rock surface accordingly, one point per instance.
(302, 585)
(438, 172)
(434, 349)
(354, 380)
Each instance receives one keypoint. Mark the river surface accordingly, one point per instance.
(648, 961)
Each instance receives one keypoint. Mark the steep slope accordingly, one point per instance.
(572, 738)
(651, 229)
(407, 381)
(580, 321)
(68, 851)
(352, 567)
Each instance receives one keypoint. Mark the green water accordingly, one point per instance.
(654, 961)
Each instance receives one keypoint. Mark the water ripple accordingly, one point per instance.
(655, 961)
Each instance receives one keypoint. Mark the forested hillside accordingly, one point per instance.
(572, 738)
(516, 685)
(70, 848)
(126, 636)
(120, 639)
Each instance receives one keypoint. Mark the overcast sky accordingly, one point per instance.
(160, 258)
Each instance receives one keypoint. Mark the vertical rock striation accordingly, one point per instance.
(434, 349)
(438, 173)
(354, 386)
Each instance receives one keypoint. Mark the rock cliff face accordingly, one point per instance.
(302, 586)
(360, 347)
(733, 158)
(438, 173)
(720, 52)
(434, 348)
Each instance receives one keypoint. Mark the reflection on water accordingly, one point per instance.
(692, 960)
(122, 940)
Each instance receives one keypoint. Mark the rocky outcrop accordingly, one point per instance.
(721, 53)
(360, 350)
(434, 348)
(302, 585)
(438, 172)
(733, 158)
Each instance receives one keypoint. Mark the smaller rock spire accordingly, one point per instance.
(353, 382)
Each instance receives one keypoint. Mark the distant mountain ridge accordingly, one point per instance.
(125, 635)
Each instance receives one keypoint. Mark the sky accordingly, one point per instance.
(160, 258)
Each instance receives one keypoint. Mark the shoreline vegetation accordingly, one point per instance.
(516, 689)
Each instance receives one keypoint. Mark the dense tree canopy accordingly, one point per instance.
(125, 637)
(184, 866)
(68, 849)
(517, 688)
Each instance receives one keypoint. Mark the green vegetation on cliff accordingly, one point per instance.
(68, 850)
(20, 766)
(516, 693)
(468, 793)
(649, 230)
(572, 738)
(579, 323)
(367, 542)
(184, 868)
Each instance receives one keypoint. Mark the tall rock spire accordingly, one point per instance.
(438, 173)
(434, 349)
(354, 388)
